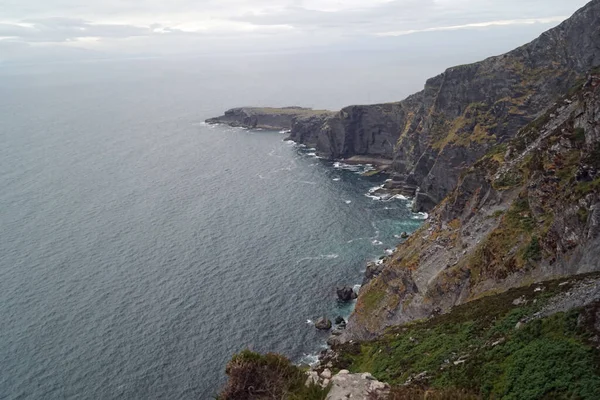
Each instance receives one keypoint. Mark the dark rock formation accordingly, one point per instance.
(435, 134)
(323, 324)
(346, 293)
(267, 118)
(340, 320)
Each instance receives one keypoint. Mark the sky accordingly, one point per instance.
(76, 27)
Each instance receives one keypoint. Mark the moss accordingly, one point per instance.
(583, 215)
(533, 251)
(579, 135)
(584, 188)
(372, 298)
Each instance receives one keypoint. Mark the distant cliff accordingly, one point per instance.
(435, 134)
(267, 117)
(527, 211)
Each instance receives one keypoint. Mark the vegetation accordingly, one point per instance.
(254, 376)
(482, 349)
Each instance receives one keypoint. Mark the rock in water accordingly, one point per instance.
(340, 320)
(323, 324)
(346, 293)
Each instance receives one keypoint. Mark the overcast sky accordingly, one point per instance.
(180, 26)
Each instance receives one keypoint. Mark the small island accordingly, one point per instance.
(266, 117)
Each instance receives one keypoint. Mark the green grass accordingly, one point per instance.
(545, 358)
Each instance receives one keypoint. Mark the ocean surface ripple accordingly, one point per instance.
(141, 248)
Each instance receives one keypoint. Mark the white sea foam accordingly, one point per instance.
(310, 322)
(421, 215)
(389, 252)
(337, 179)
(309, 359)
(376, 243)
(306, 182)
(285, 131)
(347, 201)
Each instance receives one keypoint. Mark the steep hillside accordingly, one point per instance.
(433, 135)
(527, 211)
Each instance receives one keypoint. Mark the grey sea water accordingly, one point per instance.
(141, 248)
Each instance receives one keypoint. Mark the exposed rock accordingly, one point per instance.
(323, 324)
(404, 235)
(346, 386)
(313, 378)
(373, 270)
(326, 374)
(519, 301)
(346, 293)
(340, 320)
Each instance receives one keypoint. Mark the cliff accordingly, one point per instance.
(267, 118)
(433, 135)
(527, 211)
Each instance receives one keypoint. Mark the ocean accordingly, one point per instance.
(140, 248)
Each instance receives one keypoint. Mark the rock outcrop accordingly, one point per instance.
(346, 293)
(435, 134)
(527, 211)
(323, 324)
(268, 118)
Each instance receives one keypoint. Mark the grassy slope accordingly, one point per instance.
(478, 349)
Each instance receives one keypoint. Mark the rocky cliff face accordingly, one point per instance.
(267, 118)
(435, 134)
(527, 211)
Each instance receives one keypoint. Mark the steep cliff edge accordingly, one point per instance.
(527, 211)
(433, 135)
(267, 117)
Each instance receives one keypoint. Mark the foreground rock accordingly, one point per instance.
(266, 117)
(346, 293)
(346, 386)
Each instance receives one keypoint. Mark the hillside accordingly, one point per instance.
(527, 211)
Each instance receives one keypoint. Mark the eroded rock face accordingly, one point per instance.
(435, 134)
(524, 212)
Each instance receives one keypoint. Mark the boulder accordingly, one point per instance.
(323, 324)
(340, 320)
(346, 293)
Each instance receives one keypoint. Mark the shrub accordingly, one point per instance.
(254, 376)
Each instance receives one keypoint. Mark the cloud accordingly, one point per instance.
(158, 25)
(509, 22)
